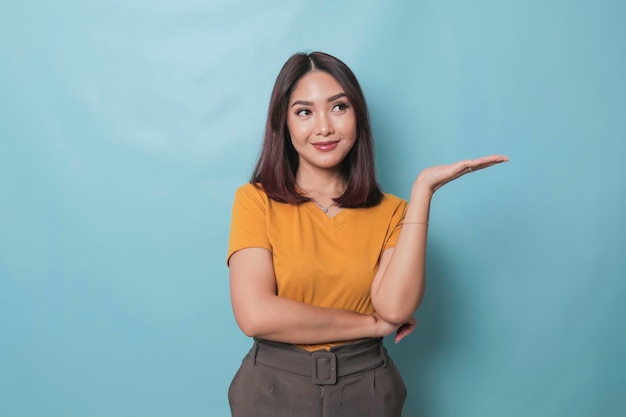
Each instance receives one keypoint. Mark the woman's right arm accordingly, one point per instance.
(260, 312)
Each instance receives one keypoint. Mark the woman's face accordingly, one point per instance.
(321, 122)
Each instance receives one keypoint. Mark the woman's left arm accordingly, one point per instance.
(398, 287)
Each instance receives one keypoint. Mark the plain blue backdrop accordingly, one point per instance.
(126, 126)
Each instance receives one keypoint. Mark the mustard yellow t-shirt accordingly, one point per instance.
(318, 260)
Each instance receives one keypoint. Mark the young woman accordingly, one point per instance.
(323, 264)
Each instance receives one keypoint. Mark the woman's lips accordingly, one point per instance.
(326, 146)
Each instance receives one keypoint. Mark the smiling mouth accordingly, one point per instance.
(326, 146)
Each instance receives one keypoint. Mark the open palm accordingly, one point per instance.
(437, 176)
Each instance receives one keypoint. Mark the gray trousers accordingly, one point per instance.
(353, 380)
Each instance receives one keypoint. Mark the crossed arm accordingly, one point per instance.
(397, 289)
(259, 312)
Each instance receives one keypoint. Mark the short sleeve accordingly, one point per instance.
(248, 228)
(395, 225)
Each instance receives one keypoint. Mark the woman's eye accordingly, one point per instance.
(303, 112)
(340, 107)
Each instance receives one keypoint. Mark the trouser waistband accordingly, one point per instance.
(322, 366)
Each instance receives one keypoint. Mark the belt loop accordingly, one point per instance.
(382, 352)
(255, 349)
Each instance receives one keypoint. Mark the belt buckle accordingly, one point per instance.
(324, 370)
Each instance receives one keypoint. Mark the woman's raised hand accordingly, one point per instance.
(436, 177)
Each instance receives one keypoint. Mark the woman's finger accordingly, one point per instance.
(405, 330)
(471, 166)
(485, 162)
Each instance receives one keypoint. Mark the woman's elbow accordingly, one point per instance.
(248, 326)
(397, 315)
(252, 324)
(247, 329)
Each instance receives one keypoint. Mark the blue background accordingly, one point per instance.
(126, 126)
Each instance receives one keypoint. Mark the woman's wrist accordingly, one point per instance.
(381, 328)
(421, 190)
(419, 205)
(372, 326)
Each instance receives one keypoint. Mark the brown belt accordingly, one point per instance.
(322, 366)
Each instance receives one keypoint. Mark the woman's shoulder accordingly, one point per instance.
(251, 193)
(392, 200)
(251, 189)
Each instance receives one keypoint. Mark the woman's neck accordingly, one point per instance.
(330, 184)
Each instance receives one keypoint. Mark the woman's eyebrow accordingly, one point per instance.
(336, 96)
(309, 103)
(301, 103)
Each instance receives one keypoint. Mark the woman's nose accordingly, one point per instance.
(324, 125)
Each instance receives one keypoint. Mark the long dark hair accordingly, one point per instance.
(278, 161)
